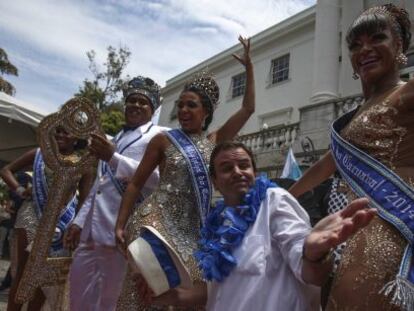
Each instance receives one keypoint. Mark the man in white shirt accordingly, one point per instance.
(98, 267)
(278, 258)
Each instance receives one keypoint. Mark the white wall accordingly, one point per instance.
(269, 98)
(348, 86)
(295, 36)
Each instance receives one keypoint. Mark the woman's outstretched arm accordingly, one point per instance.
(21, 163)
(315, 175)
(233, 125)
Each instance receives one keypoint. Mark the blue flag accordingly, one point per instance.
(291, 169)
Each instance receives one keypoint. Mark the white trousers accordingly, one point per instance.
(96, 277)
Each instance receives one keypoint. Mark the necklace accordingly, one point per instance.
(224, 230)
(388, 91)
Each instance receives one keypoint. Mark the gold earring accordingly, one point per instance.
(401, 59)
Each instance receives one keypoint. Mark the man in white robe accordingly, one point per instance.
(98, 267)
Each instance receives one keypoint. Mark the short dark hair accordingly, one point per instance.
(373, 20)
(229, 145)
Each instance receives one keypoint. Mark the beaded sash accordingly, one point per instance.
(197, 168)
(389, 194)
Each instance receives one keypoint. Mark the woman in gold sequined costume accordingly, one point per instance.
(383, 127)
(26, 219)
(172, 207)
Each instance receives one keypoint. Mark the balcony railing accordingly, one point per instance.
(345, 104)
(283, 136)
(274, 138)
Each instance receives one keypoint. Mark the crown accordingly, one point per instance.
(204, 82)
(146, 87)
(377, 10)
(381, 10)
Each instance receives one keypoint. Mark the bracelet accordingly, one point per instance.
(20, 190)
(323, 260)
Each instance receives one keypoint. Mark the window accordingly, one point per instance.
(238, 85)
(280, 69)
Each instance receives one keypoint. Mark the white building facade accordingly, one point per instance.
(303, 80)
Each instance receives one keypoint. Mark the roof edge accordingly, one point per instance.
(280, 29)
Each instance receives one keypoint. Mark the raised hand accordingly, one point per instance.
(337, 228)
(101, 147)
(245, 58)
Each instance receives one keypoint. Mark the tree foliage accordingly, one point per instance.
(6, 68)
(112, 121)
(107, 83)
(105, 88)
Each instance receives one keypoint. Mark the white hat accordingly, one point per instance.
(150, 254)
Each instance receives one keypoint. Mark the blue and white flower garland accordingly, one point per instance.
(224, 231)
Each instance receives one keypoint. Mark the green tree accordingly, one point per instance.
(6, 68)
(107, 83)
(112, 119)
(105, 88)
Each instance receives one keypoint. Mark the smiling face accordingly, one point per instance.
(234, 174)
(64, 141)
(191, 112)
(373, 54)
(138, 110)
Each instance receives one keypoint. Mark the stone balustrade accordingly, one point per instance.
(274, 138)
(345, 104)
(270, 145)
(315, 123)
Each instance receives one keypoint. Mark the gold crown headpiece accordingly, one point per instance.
(377, 10)
(204, 82)
(382, 10)
(145, 86)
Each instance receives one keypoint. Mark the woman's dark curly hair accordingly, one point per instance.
(205, 101)
(373, 20)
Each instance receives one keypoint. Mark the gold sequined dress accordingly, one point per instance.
(172, 210)
(384, 130)
(27, 219)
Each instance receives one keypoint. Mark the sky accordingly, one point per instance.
(47, 40)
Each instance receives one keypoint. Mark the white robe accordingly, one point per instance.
(98, 268)
(268, 276)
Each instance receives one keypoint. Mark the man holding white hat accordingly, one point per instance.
(257, 248)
